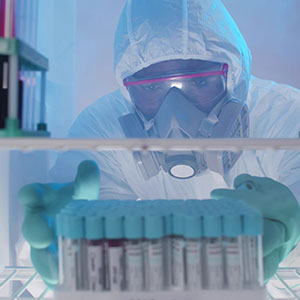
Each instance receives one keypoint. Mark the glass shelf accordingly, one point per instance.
(29, 57)
(31, 144)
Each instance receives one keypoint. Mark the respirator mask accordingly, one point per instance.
(181, 106)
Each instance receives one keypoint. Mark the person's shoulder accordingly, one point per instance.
(267, 92)
(109, 106)
(274, 109)
(113, 102)
(101, 117)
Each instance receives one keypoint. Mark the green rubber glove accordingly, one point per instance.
(280, 210)
(42, 202)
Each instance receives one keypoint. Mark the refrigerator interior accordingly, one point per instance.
(75, 25)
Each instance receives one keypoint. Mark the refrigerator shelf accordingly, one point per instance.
(17, 282)
(31, 144)
(285, 285)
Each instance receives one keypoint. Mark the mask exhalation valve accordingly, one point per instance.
(181, 166)
(182, 171)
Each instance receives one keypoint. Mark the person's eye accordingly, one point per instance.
(199, 82)
(152, 87)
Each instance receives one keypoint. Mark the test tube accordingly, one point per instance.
(153, 252)
(60, 234)
(94, 231)
(253, 230)
(213, 256)
(178, 251)
(134, 269)
(73, 244)
(193, 237)
(166, 206)
(232, 231)
(3, 90)
(114, 256)
(167, 246)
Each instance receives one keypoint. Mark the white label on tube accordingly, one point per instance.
(70, 272)
(233, 265)
(115, 257)
(178, 262)
(193, 267)
(154, 271)
(134, 267)
(253, 259)
(214, 265)
(95, 268)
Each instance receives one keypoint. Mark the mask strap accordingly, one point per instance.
(209, 122)
(148, 124)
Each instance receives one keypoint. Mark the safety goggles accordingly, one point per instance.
(203, 89)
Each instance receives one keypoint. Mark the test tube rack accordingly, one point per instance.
(18, 54)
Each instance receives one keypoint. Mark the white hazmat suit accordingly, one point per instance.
(159, 30)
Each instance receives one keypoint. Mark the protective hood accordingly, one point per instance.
(151, 31)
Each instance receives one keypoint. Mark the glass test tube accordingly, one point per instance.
(167, 247)
(232, 231)
(74, 253)
(60, 234)
(134, 268)
(94, 230)
(193, 237)
(114, 256)
(252, 245)
(212, 254)
(178, 251)
(153, 252)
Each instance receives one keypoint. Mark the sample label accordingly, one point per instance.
(70, 264)
(115, 263)
(95, 268)
(134, 267)
(193, 265)
(233, 267)
(154, 271)
(178, 262)
(253, 260)
(214, 265)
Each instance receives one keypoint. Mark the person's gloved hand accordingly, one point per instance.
(42, 202)
(280, 210)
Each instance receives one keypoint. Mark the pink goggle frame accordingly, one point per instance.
(222, 72)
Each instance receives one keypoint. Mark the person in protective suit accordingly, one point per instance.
(184, 71)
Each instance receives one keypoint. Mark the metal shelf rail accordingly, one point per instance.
(16, 282)
(285, 285)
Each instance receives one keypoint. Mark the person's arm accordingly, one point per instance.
(96, 122)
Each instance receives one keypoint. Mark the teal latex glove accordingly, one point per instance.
(42, 202)
(280, 210)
